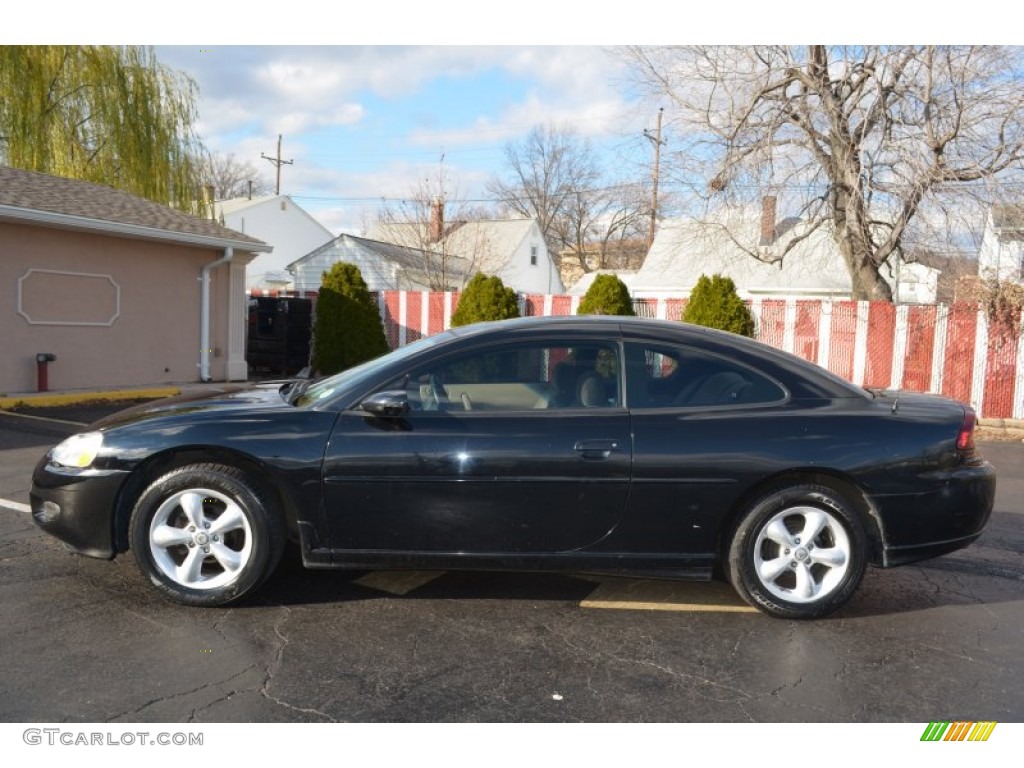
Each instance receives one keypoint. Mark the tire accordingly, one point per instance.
(798, 552)
(206, 534)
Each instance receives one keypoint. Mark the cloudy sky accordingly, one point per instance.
(366, 122)
(374, 98)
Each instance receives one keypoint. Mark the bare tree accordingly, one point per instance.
(548, 170)
(554, 177)
(601, 227)
(231, 177)
(442, 251)
(871, 142)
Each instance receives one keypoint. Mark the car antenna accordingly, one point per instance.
(896, 402)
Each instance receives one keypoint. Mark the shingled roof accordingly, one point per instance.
(75, 204)
(407, 258)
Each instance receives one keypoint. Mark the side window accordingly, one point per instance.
(519, 377)
(679, 377)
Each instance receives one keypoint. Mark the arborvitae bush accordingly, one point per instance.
(348, 330)
(714, 303)
(607, 295)
(485, 298)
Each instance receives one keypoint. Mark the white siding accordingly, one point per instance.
(519, 273)
(279, 222)
(999, 258)
(379, 274)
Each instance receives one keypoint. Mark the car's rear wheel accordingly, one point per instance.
(798, 552)
(206, 534)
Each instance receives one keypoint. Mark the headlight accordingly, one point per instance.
(78, 450)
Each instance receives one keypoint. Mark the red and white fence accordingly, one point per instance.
(953, 350)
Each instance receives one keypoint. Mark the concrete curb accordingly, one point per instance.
(1000, 429)
(53, 399)
(1001, 423)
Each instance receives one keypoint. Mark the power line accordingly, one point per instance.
(611, 188)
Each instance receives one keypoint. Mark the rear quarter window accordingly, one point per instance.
(661, 376)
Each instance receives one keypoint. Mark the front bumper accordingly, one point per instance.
(77, 506)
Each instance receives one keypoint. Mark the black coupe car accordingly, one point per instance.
(590, 444)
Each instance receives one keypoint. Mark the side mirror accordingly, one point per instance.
(392, 404)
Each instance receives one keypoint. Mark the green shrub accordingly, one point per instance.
(485, 298)
(348, 330)
(714, 303)
(607, 295)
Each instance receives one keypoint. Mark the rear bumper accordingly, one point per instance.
(893, 556)
(77, 506)
(943, 520)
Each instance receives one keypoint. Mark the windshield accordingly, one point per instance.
(353, 378)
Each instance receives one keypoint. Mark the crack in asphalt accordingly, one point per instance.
(785, 687)
(961, 655)
(743, 697)
(653, 665)
(225, 615)
(179, 694)
(275, 665)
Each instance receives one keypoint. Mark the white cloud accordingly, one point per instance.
(299, 122)
(256, 85)
(324, 99)
(219, 117)
(302, 80)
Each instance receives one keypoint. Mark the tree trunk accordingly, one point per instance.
(853, 235)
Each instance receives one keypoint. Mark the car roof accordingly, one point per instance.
(666, 331)
(627, 325)
(570, 321)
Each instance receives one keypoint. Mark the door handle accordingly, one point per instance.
(596, 449)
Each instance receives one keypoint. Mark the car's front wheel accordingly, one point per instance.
(798, 552)
(206, 534)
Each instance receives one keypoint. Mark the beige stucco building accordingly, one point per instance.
(124, 291)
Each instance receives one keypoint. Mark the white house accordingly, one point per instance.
(276, 220)
(1001, 256)
(384, 266)
(683, 250)
(512, 249)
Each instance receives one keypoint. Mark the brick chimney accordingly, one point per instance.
(768, 204)
(436, 229)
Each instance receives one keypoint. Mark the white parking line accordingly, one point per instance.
(43, 418)
(15, 506)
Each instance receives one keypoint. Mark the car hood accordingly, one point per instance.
(262, 397)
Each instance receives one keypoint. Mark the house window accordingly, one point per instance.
(533, 255)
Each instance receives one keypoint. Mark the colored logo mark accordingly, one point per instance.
(958, 731)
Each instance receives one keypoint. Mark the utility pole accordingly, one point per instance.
(655, 138)
(278, 162)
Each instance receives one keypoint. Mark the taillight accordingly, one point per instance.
(965, 439)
